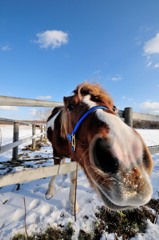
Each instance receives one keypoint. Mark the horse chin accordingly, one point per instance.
(110, 205)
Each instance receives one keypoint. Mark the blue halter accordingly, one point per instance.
(71, 136)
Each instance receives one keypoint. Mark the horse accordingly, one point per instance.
(114, 157)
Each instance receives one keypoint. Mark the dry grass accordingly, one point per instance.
(126, 224)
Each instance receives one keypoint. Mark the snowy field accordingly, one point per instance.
(42, 213)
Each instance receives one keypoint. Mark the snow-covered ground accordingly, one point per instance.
(42, 213)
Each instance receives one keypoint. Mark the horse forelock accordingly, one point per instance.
(96, 92)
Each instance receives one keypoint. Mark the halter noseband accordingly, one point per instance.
(71, 136)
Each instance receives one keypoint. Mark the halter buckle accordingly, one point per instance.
(73, 142)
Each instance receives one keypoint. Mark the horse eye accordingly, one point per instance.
(95, 98)
(70, 107)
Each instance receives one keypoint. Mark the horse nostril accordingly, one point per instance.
(103, 157)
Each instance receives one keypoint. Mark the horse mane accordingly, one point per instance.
(64, 123)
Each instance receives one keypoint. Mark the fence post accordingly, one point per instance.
(128, 116)
(42, 132)
(45, 132)
(15, 138)
(33, 133)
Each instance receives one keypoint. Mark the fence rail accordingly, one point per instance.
(36, 173)
(10, 146)
(32, 174)
(16, 142)
(27, 102)
(129, 116)
(154, 149)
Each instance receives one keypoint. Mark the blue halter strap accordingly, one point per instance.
(71, 136)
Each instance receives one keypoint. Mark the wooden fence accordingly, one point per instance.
(16, 142)
(25, 102)
(28, 175)
(129, 116)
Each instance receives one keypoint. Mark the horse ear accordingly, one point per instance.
(66, 101)
(115, 109)
(84, 91)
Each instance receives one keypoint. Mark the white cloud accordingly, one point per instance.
(152, 46)
(150, 107)
(123, 97)
(151, 51)
(34, 112)
(116, 78)
(96, 72)
(52, 39)
(156, 65)
(44, 97)
(128, 99)
(5, 48)
(12, 108)
(149, 63)
(40, 114)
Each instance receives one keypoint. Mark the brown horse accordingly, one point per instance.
(114, 157)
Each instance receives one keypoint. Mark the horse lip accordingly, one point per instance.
(109, 204)
(132, 203)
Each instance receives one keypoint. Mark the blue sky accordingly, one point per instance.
(48, 47)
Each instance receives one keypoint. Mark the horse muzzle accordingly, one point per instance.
(121, 183)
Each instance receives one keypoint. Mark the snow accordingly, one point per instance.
(41, 213)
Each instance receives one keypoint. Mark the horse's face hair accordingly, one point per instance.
(112, 154)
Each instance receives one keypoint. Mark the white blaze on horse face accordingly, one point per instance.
(126, 145)
(89, 102)
(50, 123)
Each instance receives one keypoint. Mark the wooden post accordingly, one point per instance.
(15, 138)
(33, 140)
(128, 116)
(42, 131)
(45, 133)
